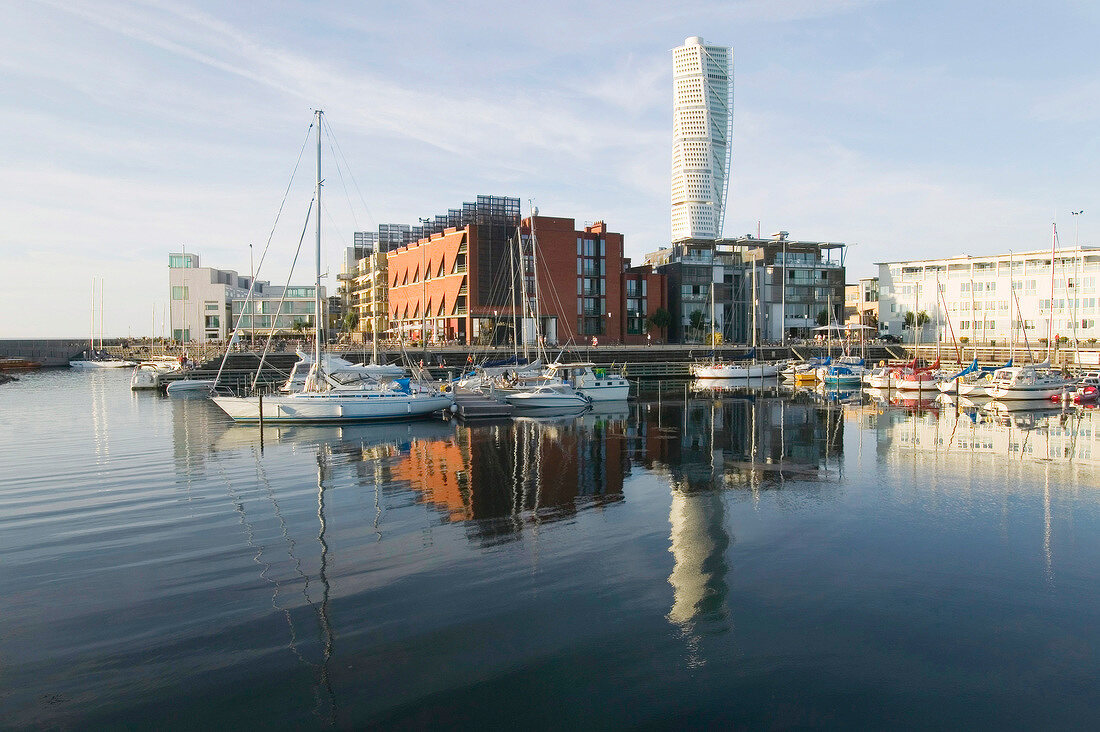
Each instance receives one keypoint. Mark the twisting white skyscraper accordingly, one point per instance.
(702, 137)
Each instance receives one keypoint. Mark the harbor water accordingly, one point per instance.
(744, 558)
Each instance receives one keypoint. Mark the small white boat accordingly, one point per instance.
(548, 395)
(147, 373)
(190, 385)
(881, 377)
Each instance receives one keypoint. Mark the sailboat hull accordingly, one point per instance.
(326, 407)
(730, 371)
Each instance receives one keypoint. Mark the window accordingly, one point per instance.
(179, 293)
(212, 321)
(181, 261)
(211, 305)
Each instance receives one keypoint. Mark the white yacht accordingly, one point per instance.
(594, 382)
(147, 373)
(549, 395)
(1024, 382)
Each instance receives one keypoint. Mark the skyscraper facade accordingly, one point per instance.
(702, 132)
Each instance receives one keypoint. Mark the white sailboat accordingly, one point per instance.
(94, 359)
(322, 399)
(719, 370)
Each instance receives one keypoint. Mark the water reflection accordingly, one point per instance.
(1009, 431)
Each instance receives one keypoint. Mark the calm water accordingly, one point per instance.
(748, 560)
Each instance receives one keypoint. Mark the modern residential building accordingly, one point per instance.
(797, 285)
(694, 269)
(463, 282)
(861, 303)
(1033, 296)
(205, 303)
(369, 289)
(702, 138)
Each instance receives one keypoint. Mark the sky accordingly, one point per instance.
(905, 129)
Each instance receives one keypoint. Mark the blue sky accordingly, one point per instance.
(907, 129)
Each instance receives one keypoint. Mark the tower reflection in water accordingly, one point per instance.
(754, 443)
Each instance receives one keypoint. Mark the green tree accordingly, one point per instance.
(823, 317)
(696, 321)
(299, 327)
(661, 318)
(351, 319)
(923, 319)
(909, 320)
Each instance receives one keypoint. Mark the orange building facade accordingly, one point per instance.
(464, 285)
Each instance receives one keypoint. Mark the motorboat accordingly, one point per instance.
(881, 377)
(842, 376)
(548, 395)
(594, 382)
(190, 385)
(1024, 382)
(147, 373)
(1085, 390)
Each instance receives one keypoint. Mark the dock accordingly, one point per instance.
(475, 405)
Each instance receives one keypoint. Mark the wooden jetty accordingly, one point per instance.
(475, 405)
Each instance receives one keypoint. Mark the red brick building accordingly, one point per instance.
(463, 284)
(644, 291)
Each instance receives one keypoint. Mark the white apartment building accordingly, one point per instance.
(702, 138)
(206, 303)
(995, 299)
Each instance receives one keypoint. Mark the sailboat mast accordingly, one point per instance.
(535, 275)
(101, 313)
(713, 340)
(91, 326)
(754, 305)
(1050, 320)
(521, 333)
(317, 284)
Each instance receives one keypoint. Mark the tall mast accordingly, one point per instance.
(91, 326)
(754, 304)
(101, 313)
(517, 324)
(535, 274)
(713, 344)
(317, 284)
(1050, 320)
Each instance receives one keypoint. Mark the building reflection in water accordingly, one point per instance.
(997, 445)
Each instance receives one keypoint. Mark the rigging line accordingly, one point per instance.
(351, 174)
(282, 299)
(343, 241)
(340, 175)
(263, 254)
